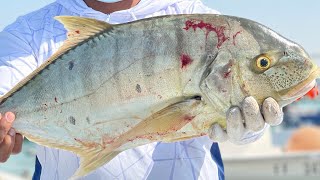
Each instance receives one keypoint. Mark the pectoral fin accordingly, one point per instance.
(165, 121)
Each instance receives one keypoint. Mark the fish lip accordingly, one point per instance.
(301, 92)
(302, 88)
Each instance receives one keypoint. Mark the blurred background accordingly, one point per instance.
(288, 151)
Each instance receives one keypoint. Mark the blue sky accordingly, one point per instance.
(296, 20)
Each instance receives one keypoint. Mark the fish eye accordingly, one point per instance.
(263, 62)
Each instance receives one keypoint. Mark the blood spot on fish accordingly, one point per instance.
(149, 136)
(77, 31)
(219, 30)
(87, 143)
(227, 74)
(71, 65)
(234, 37)
(185, 60)
(227, 69)
(161, 133)
(188, 118)
(107, 140)
(72, 120)
(138, 88)
(55, 99)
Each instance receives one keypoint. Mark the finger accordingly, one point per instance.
(5, 124)
(17, 144)
(7, 145)
(235, 127)
(216, 133)
(272, 112)
(252, 116)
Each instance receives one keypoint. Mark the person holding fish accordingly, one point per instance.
(32, 39)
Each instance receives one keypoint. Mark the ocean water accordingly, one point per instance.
(23, 163)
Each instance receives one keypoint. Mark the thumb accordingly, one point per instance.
(6, 121)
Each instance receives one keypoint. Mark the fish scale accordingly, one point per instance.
(114, 87)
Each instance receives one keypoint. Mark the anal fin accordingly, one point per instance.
(89, 161)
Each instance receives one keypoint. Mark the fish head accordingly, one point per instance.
(277, 67)
(283, 75)
(261, 63)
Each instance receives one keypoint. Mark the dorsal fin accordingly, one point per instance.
(79, 30)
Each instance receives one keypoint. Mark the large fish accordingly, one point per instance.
(114, 87)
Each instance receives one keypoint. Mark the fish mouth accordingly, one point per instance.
(304, 87)
(301, 92)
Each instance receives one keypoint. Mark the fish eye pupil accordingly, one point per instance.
(264, 63)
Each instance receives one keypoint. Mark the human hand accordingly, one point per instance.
(246, 124)
(10, 141)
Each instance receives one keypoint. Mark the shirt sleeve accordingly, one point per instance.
(197, 7)
(17, 59)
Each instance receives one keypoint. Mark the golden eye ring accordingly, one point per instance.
(263, 62)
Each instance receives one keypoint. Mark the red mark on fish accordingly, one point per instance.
(234, 37)
(312, 94)
(219, 30)
(77, 31)
(227, 74)
(87, 143)
(203, 134)
(107, 140)
(185, 60)
(188, 118)
(227, 69)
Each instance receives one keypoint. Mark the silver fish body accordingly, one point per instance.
(114, 87)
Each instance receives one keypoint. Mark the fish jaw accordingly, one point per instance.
(301, 89)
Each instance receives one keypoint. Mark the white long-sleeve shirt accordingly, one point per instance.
(28, 42)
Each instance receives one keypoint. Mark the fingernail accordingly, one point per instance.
(12, 132)
(0, 116)
(10, 117)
